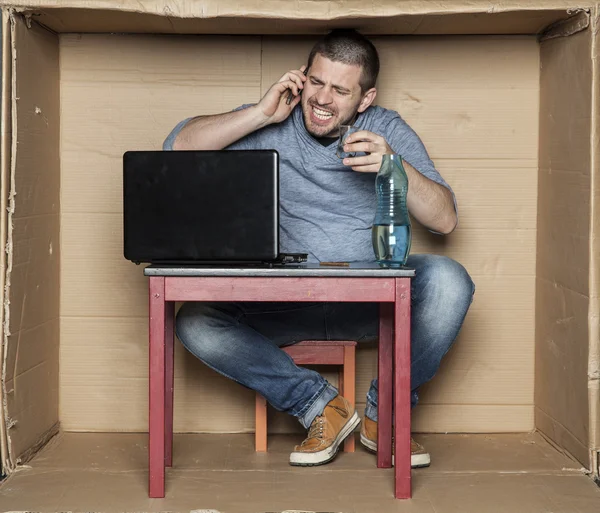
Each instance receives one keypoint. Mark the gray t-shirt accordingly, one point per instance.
(326, 208)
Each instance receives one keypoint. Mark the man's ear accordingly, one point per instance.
(367, 99)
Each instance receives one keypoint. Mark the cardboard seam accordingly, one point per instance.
(37, 446)
(29, 20)
(262, 47)
(594, 252)
(195, 473)
(560, 284)
(579, 21)
(558, 423)
(559, 448)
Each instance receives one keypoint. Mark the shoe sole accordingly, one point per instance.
(370, 445)
(416, 460)
(314, 459)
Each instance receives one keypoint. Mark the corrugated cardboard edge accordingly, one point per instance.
(594, 305)
(9, 197)
(5, 144)
(322, 10)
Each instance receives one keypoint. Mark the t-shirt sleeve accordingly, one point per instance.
(168, 142)
(407, 144)
(248, 142)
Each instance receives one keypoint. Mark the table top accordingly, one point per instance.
(355, 270)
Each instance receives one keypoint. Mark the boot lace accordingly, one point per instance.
(316, 428)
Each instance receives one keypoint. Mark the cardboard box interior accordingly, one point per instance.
(509, 117)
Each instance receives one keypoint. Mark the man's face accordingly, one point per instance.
(331, 96)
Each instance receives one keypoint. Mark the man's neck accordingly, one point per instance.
(325, 141)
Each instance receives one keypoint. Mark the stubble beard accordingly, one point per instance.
(334, 131)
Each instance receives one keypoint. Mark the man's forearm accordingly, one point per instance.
(429, 202)
(218, 131)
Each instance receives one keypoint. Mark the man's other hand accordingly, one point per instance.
(367, 142)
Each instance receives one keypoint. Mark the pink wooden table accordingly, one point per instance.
(389, 287)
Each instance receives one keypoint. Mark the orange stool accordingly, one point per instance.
(316, 352)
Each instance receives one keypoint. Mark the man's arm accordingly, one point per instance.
(429, 202)
(219, 131)
(432, 204)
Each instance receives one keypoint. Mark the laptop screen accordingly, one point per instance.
(198, 206)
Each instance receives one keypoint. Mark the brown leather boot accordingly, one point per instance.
(368, 437)
(326, 434)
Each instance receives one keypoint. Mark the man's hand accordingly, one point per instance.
(429, 202)
(372, 144)
(273, 104)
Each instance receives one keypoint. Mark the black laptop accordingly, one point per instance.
(202, 208)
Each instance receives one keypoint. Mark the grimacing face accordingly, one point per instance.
(332, 96)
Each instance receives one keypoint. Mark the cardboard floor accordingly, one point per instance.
(469, 473)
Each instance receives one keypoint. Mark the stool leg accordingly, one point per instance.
(169, 381)
(349, 381)
(260, 437)
(342, 392)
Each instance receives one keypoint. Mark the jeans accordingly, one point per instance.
(242, 340)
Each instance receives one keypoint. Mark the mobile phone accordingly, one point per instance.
(291, 94)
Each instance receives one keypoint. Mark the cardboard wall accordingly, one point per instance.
(563, 261)
(127, 92)
(31, 330)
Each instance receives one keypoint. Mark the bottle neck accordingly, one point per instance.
(389, 163)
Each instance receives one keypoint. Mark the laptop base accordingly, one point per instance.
(281, 260)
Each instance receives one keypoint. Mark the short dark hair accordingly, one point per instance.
(349, 47)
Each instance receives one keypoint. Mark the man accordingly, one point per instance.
(327, 209)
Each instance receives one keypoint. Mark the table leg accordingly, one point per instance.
(169, 380)
(384, 372)
(402, 412)
(156, 429)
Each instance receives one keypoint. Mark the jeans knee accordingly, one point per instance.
(197, 325)
(454, 276)
(185, 322)
(445, 279)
